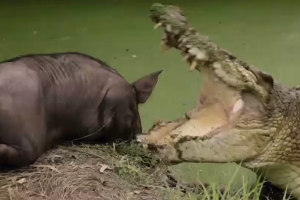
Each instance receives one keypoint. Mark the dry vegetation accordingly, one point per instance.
(84, 172)
(102, 172)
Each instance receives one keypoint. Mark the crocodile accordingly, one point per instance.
(242, 115)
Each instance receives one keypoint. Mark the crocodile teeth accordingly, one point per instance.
(200, 55)
(156, 26)
(180, 45)
(186, 57)
(169, 28)
(193, 65)
(165, 47)
(193, 51)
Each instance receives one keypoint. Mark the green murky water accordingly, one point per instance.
(264, 33)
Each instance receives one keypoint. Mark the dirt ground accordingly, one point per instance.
(87, 172)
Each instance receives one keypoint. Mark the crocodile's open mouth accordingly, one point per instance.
(228, 120)
(219, 106)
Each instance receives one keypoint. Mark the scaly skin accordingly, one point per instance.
(243, 115)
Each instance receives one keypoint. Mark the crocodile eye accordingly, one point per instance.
(267, 78)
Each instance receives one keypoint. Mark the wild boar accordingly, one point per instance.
(46, 99)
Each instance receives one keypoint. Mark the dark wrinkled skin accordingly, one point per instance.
(47, 99)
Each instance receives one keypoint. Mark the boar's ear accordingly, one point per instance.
(145, 85)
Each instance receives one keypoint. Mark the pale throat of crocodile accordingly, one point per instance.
(218, 105)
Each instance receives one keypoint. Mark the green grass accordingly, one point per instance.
(264, 33)
(141, 168)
